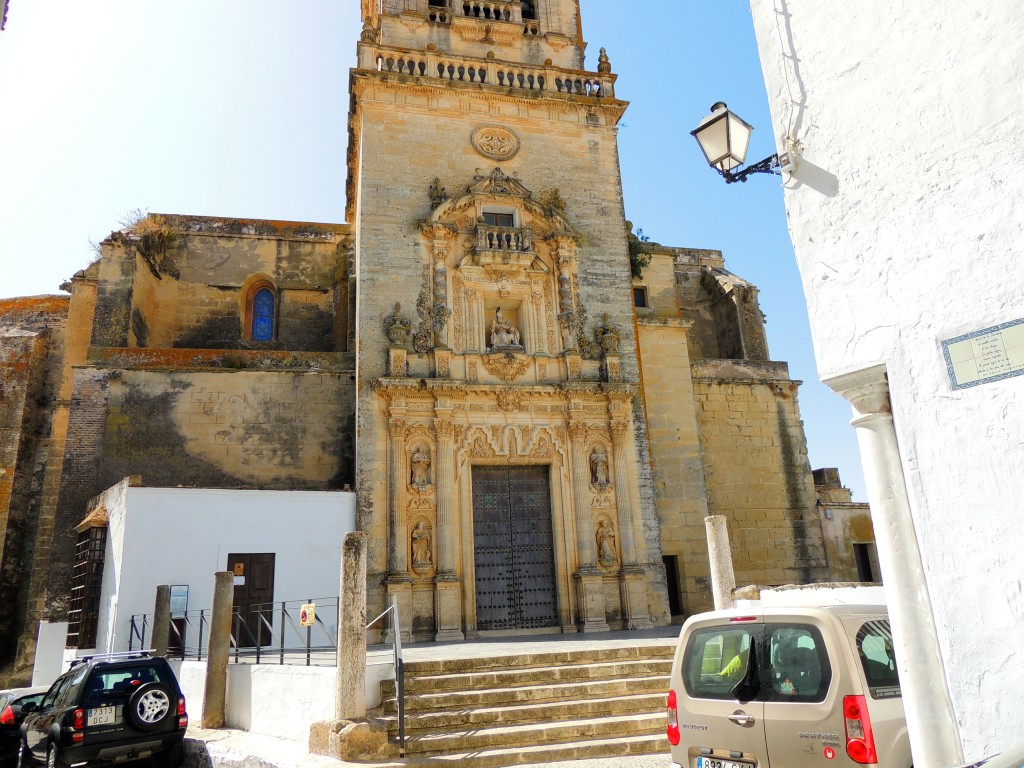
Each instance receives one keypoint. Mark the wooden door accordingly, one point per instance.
(254, 595)
(513, 548)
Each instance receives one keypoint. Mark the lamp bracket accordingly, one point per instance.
(770, 165)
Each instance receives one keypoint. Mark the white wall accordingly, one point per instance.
(184, 535)
(281, 701)
(906, 216)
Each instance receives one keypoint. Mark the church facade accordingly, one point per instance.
(535, 435)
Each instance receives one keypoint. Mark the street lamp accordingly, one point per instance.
(724, 137)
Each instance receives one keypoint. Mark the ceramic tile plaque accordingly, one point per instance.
(990, 354)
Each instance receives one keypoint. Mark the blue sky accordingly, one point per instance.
(238, 108)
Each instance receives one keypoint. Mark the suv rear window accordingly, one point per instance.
(874, 646)
(109, 681)
(716, 660)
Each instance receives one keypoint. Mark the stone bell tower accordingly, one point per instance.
(502, 460)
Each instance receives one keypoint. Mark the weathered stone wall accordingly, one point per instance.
(678, 465)
(263, 420)
(758, 475)
(195, 297)
(31, 347)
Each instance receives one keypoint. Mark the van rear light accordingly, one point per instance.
(78, 719)
(743, 618)
(860, 741)
(7, 716)
(673, 719)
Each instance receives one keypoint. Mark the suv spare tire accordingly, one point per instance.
(149, 707)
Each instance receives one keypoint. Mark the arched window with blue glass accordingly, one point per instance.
(264, 306)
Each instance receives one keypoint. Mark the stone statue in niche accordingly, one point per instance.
(421, 558)
(599, 467)
(503, 333)
(420, 463)
(606, 544)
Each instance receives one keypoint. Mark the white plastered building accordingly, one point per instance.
(905, 214)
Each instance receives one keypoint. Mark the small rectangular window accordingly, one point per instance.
(499, 219)
(640, 297)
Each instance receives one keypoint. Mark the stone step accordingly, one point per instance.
(534, 734)
(549, 753)
(507, 678)
(576, 690)
(547, 712)
(664, 650)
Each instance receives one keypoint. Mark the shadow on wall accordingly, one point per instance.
(808, 174)
(805, 173)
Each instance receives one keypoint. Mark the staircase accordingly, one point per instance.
(534, 707)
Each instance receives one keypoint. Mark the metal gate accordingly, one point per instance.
(513, 548)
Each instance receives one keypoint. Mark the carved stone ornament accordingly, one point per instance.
(397, 327)
(507, 366)
(510, 399)
(607, 336)
(495, 142)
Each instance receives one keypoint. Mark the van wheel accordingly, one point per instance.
(53, 760)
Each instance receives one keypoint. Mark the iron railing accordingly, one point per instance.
(396, 644)
(271, 633)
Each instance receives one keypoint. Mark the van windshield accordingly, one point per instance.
(875, 647)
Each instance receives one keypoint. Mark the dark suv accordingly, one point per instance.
(108, 709)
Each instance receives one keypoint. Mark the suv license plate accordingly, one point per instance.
(714, 762)
(101, 716)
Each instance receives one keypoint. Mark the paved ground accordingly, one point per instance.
(238, 749)
(641, 761)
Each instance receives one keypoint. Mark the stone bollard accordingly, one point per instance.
(161, 637)
(350, 690)
(348, 736)
(215, 690)
(723, 578)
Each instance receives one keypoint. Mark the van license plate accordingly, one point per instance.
(714, 762)
(101, 716)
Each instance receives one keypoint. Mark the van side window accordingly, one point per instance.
(874, 645)
(799, 667)
(716, 660)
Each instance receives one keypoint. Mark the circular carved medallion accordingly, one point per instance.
(495, 142)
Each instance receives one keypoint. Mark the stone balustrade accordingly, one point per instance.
(490, 238)
(502, 74)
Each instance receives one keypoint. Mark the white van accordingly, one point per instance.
(786, 687)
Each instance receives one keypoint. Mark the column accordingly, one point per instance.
(633, 582)
(931, 722)
(448, 591)
(399, 582)
(589, 586)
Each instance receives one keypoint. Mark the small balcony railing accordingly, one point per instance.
(513, 239)
(442, 66)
